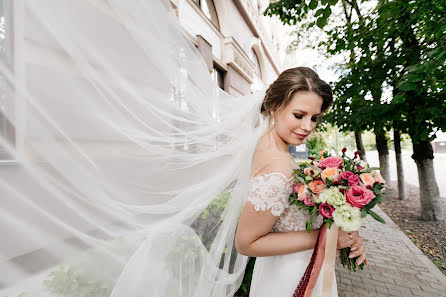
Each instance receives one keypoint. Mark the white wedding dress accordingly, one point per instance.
(279, 276)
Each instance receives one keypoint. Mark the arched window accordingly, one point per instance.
(256, 61)
(208, 8)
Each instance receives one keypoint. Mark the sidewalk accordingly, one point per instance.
(398, 267)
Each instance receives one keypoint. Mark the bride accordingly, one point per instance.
(124, 168)
(269, 228)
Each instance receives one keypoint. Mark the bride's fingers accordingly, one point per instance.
(359, 252)
(356, 244)
(366, 261)
(361, 259)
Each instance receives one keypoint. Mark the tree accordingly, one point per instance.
(399, 45)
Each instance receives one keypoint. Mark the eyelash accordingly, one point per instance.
(298, 116)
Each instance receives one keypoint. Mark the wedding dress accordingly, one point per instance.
(279, 276)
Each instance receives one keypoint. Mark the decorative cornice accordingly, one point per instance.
(252, 18)
(234, 55)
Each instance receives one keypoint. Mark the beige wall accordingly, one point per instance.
(242, 28)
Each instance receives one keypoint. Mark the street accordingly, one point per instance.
(410, 168)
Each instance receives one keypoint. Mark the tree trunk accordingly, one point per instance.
(399, 164)
(360, 146)
(429, 193)
(383, 153)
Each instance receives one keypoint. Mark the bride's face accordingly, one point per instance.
(297, 119)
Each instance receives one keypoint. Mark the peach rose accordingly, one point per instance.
(378, 177)
(297, 187)
(302, 193)
(367, 179)
(331, 173)
(316, 186)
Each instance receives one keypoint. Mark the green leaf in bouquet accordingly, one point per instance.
(300, 179)
(376, 216)
(328, 182)
(378, 186)
(329, 222)
(314, 167)
(300, 171)
(363, 213)
(308, 226)
(371, 204)
(374, 168)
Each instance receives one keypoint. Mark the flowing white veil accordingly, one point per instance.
(123, 167)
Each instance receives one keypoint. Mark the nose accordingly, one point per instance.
(306, 125)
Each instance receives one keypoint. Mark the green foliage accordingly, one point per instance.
(397, 45)
(247, 278)
(316, 143)
(92, 273)
(217, 204)
(72, 282)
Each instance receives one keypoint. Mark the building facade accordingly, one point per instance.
(236, 41)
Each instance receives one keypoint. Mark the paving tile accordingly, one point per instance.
(398, 266)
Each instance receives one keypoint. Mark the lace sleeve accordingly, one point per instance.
(270, 191)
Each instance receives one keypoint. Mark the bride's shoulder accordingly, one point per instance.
(268, 162)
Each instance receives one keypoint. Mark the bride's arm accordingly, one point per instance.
(255, 239)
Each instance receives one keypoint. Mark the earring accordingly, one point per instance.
(274, 122)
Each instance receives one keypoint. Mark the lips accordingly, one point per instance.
(301, 136)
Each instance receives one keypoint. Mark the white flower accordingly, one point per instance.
(348, 218)
(332, 196)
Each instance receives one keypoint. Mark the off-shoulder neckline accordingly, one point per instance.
(272, 173)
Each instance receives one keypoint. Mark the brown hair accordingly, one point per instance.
(293, 80)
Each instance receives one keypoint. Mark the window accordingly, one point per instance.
(256, 61)
(219, 76)
(208, 8)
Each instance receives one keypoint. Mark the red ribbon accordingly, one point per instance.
(308, 280)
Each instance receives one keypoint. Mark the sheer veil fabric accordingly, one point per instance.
(124, 167)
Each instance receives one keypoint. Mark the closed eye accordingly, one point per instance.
(298, 116)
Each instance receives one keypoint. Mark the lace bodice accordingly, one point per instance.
(270, 191)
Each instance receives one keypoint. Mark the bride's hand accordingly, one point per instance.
(354, 241)
(345, 240)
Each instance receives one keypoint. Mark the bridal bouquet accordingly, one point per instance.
(342, 190)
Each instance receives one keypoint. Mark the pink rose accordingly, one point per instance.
(296, 187)
(359, 196)
(331, 173)
(326, 210)
(352, 178)
(316, 186)
(331, 162)
(367, 179)
(308, 202)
